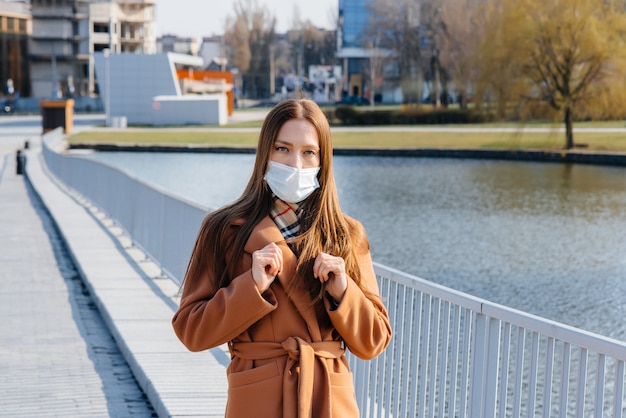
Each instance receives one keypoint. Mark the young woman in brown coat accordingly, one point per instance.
(286, 279)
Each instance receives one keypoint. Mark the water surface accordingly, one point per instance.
(546, 238)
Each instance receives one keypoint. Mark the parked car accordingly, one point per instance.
(353, 101)
(8, 106)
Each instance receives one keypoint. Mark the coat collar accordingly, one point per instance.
(266, 232)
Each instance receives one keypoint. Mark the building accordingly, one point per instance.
(66, 33)
(367, 69)
(178, 45)
(15, 27)
(146, 89)
(213, 52)
(351, 45)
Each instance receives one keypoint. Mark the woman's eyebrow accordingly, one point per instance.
(282, 141)
(285, 142)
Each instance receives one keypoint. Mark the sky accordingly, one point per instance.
(194, 18)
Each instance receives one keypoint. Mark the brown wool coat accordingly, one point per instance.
(287, 355)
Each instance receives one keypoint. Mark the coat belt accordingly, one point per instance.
(301, 355)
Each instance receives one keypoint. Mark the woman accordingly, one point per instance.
(286, 279)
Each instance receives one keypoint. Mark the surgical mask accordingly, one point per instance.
(291, 184)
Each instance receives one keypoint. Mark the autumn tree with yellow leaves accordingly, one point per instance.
(569, 54)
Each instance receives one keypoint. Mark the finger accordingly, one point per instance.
(279, 252)
(276, 264)
(263, 261)
(272, 267)
(316, 265)
(326, 274)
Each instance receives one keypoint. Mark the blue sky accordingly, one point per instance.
(192, 18)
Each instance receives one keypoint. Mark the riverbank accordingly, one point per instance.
(605, 140)
(527, 141)
(578, 155)
(596, 142)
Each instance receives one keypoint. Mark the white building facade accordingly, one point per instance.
(66, 33)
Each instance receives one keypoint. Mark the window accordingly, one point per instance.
(100, 27)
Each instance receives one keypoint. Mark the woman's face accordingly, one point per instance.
(297, 145)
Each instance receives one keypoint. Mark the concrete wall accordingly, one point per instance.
(135, 80)
(210, 109)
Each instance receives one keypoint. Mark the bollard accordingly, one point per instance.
(20, 162)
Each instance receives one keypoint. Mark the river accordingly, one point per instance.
(545, 238)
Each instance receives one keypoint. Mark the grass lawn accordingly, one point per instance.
(596, 141)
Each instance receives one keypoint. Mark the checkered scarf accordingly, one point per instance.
(286, 216)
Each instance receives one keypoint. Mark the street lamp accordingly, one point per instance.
(106, 52)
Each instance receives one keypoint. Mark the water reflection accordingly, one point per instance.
(549, 239)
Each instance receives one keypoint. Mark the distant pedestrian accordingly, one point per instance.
(286, 279)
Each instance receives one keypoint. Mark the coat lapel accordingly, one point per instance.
(266, 232)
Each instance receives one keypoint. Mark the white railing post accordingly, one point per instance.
(485, 360)
(493, 356)
(618, 389)
(479, 362)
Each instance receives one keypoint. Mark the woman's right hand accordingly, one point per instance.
(266, 264)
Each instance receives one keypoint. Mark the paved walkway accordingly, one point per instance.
(57, 357)
(86, 317)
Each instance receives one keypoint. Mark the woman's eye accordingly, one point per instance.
(281, 149)
(310, 153)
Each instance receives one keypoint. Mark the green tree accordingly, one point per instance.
(560, 52)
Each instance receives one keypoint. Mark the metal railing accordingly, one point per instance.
(455, 355)
(160, 223)
(452, 354)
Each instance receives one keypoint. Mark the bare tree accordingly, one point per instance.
(376, 70)
(432, 30)
(250, 36)
(309, 46)
(395, 25)
(459, 42)
(237, 37)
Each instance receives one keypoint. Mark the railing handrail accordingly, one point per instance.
(566, 333)
(452, 354)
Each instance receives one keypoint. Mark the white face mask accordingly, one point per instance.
(291, 184)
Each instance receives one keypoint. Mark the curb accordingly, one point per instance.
(575, 157)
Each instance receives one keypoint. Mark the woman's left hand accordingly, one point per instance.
(331, 270)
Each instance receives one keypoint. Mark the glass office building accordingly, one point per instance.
(367, 69)
(353, 18)
(351, 46)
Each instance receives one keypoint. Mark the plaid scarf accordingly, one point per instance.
(286, 216)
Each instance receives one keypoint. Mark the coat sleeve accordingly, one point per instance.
(209, 316)
(362, 321)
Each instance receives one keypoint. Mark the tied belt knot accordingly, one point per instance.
(299, 369)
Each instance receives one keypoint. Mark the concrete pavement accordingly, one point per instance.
(86, 324)
(57, 357)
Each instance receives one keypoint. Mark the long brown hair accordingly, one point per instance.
(323, 226)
